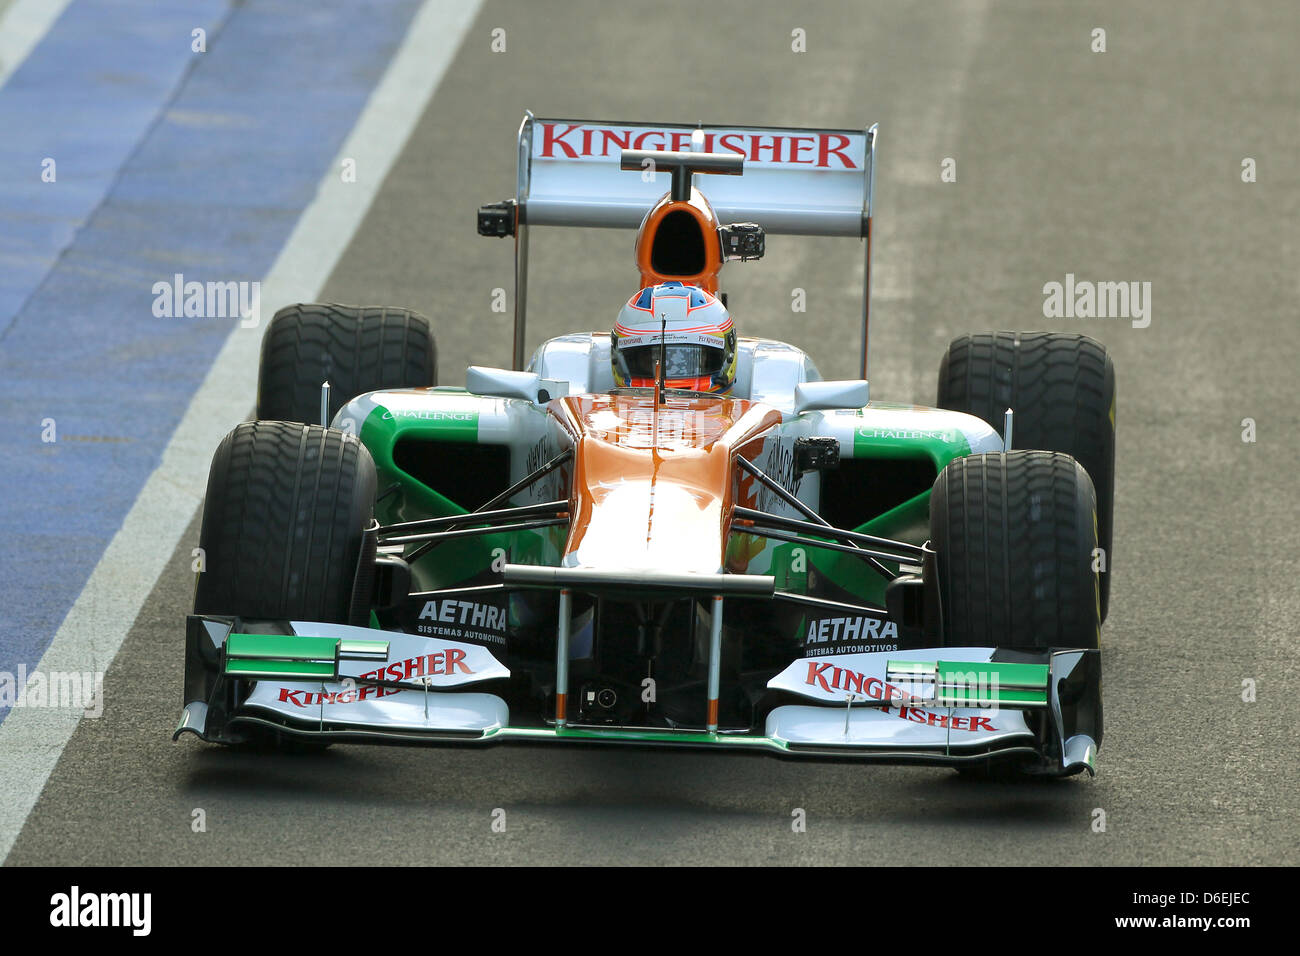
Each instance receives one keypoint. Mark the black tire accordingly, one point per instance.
(284, 523)
(1014, 535)
(1061, 386)
(356, 349)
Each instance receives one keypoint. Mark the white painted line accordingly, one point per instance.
(32, 738)
(22, 24)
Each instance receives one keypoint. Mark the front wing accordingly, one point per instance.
(938, 706)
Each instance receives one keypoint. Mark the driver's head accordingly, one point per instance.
(697, 332)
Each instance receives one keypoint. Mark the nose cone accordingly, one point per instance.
(653, 486)
(666, 521)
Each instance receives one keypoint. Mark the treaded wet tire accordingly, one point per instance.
(283, 523)
(1061, 386)
(1013, 535)
(357, 349)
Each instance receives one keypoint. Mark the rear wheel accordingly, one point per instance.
(356, 349)
(283, 533)
(1061, 387)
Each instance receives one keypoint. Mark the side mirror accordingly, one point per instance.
(816, 396)
(505, 383)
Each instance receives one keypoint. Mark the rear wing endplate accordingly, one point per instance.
(803, 182)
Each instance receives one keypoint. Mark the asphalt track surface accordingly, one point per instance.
(1123, 165)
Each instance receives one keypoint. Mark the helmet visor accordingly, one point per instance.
(681, 361)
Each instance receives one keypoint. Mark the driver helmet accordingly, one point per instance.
(699, 339)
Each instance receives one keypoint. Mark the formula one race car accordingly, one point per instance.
(665, 533)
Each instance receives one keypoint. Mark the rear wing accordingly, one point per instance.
(803, 182)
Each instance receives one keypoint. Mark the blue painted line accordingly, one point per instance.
(212, 191)
(82, 100)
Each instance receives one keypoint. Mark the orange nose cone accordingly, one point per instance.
(652, 486)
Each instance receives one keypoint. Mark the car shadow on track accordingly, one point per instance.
(630, 782)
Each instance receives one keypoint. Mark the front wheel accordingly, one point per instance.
(283, 534)
(1013, 535)
(284, 522)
